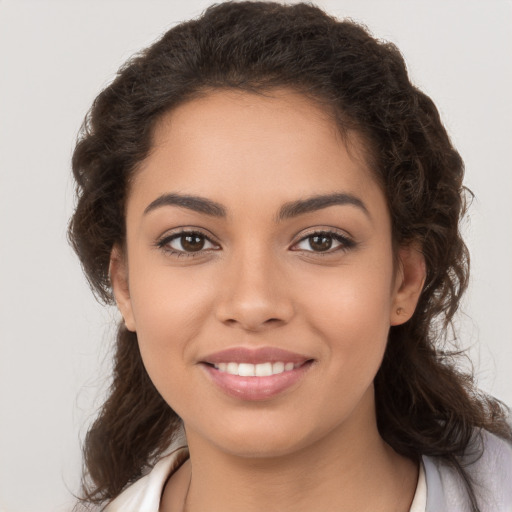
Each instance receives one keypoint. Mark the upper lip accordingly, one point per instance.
(255, 356)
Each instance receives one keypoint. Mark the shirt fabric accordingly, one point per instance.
(439, 487)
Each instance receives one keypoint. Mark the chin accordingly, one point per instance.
(262, 439)
(262, 447)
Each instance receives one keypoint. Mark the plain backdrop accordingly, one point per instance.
(55, 340)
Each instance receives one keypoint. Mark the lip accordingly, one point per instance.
(255, 356)
(256, 388)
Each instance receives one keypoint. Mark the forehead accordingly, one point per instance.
(273, 145)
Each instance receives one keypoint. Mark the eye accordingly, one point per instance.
(324, 242)
(186, 243)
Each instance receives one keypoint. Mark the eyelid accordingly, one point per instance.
(164, 240)
(346, 241)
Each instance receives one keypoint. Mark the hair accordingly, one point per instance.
(425, 404)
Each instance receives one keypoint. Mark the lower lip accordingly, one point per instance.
(256, 388)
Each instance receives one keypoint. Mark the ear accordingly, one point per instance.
(118, 270)
(409, 281)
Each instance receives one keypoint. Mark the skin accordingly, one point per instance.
(263, 283)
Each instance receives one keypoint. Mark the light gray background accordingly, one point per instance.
(55, 56)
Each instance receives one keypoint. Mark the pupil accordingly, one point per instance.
(192, 242)
(321, 242)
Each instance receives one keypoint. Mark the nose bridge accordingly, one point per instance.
(254, 295)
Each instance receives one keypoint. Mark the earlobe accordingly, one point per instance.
(410, 279)
(118, 271)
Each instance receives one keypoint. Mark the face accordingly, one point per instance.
(259, 273)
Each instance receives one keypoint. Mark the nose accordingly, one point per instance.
(255, 294)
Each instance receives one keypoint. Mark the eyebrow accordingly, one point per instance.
(195, 203)
(287, 210)
(318, 202)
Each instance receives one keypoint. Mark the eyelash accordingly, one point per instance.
(346, 243)
(163, 244)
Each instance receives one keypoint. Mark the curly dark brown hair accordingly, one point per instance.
(425, 405)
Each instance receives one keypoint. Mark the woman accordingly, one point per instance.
(275, 209)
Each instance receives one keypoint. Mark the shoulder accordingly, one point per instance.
(144, 495)
(488, 462)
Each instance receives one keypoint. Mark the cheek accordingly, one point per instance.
(355, 296)
(164, 295)
(168, 320)
(350, 310)
(170, 308)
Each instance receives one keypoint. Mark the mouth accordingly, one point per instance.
(256, 370)
(256, 374)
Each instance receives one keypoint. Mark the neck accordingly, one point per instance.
(350, 469)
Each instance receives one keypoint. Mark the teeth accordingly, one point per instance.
(263, 369)
(232, 368)
(246, 370)
(277, 368)
(255, 370)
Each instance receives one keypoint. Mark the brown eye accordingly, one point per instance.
(320, 242)
(186, 243)
(192, 242)
(325, 242)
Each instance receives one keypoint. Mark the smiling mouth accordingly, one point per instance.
(256, 373)
(257, 381)
(266, 369)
